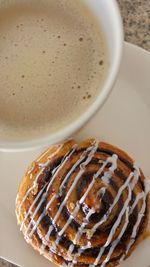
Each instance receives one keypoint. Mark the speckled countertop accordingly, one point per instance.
(136, 19)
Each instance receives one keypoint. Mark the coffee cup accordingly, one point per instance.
(108, 18)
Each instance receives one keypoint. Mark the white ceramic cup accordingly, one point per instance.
(108, 16)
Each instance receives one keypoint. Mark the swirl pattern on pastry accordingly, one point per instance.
(84, 205)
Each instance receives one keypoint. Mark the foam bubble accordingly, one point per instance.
(101, 62)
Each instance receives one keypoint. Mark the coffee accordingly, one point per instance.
(53, 60)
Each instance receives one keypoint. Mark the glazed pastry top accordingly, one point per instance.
(84, 205)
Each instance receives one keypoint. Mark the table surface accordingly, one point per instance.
(136, 20)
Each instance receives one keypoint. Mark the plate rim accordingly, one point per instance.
(128, 46)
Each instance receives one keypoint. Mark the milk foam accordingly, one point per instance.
(52, 63)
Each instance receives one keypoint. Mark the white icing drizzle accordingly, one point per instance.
(35, 213)
(42, 248)
(28, 192)
(85, 194)
(72, 170)
(55, 171)
(77, 237)
(91, 211)
(92, 150)
(30, 171)
(136, 176)
(80, 231)
(140, 216)
(41, 216)
(70, 250)
(32, 205)
(101, 192)
(134, 232)
(49, 232)
(106, 178)
(125, 212)
(35, 181)
(116, 242)
(138, 197)
(125, 209)
(58, 168)
(114, 228)
(142, 195)
(82, 168)
(86, 246)
(130, 187)
(112, 160)
(57, 146)
(121, 189)
(116, 224)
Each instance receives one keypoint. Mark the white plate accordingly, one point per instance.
(123, 121)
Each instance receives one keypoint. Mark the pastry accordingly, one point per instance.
(84, 205)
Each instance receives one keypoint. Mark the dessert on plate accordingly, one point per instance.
(84, 204)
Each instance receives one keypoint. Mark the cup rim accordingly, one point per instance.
(70, 129)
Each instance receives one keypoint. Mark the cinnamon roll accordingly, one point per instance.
(84, 205)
